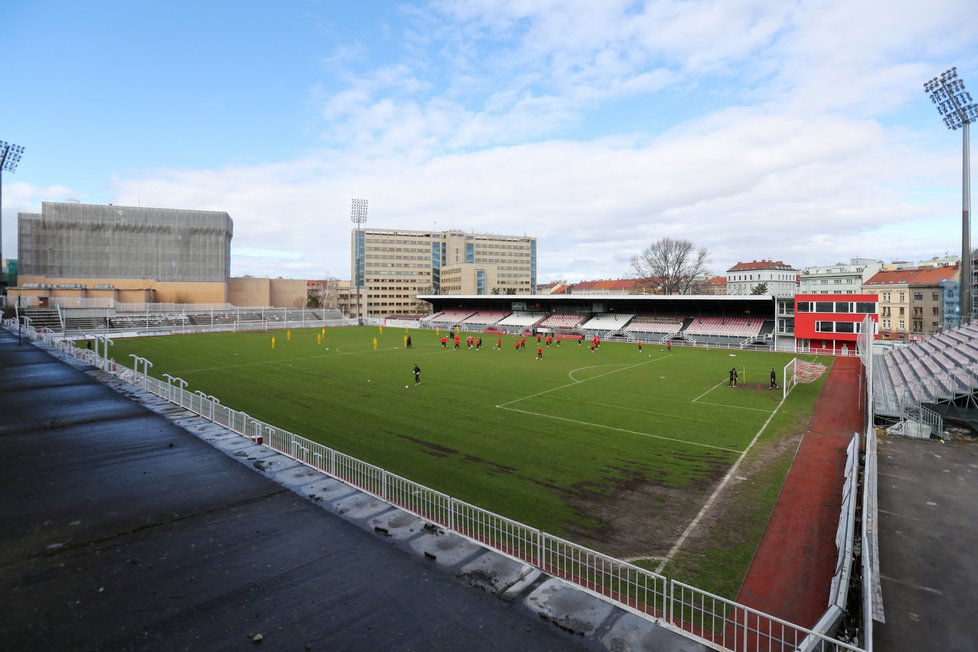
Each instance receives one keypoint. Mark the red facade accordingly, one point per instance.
(831, 322)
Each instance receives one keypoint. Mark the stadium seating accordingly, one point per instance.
(486, 317)
(607, 322)
(521, 320)
(726, 326)
(555, 321)
(450, 317)
(936, 370)
(652, 324)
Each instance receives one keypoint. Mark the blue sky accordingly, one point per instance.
(796, 131)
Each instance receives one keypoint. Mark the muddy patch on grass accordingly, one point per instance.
(638, 517)
(724, 524)
(633, 515)
(430, 447)
(497, 468)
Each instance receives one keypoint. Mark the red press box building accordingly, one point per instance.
(832, 322)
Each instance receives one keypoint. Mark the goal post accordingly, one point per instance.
(798, 371)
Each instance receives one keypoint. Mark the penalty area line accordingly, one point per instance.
(625, 430)
(709, 502)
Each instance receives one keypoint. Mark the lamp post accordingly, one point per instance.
(954, 104)
(358, 215)
(9, 158)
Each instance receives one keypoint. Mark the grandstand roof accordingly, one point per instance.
(760, 264)
(709, 304)
(913, 276)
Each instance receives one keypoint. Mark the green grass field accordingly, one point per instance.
(614, 449)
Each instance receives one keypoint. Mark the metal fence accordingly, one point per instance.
(695, 613)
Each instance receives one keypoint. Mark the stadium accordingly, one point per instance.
(654, 451)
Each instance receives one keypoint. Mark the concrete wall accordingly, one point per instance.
(249, 291)
(275, 292)
(289, 293)
(126, 290)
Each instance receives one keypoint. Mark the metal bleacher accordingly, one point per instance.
(940, 370)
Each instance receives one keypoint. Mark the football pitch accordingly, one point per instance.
(615, 449)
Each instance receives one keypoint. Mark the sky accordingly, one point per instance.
(771, 129)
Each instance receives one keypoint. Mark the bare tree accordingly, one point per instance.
(670, 266)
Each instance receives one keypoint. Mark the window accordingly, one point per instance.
(825, 326)
(865, 307)
(804, 306)
(843, 306)
(845, 327)
(903, 297)
(823, 306)
(933, 296)
(935, 310)
(918, 296)
(902, 311)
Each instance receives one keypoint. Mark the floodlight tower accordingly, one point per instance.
(955, 106)
(358, 215)
(9, 158)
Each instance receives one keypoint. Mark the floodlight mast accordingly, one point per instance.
(358, 215)
(9, 158)
(954, 103)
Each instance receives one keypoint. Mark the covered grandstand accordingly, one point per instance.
(707, 320)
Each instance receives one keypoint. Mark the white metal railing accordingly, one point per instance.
(681, 607)
(733, 626)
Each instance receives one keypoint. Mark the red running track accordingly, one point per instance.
(791, 573)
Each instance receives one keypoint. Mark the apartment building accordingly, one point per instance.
(840, 278)
(910, 300)
(778, 279)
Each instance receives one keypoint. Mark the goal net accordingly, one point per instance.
(799, 371)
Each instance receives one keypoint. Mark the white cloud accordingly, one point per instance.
(788, 149)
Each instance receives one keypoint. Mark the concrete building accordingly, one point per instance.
(832, 323)
(268, 292)
(781, 279)
(392, 267)
(839, 278)
(125, 253)
(714, 285)
(910, 300)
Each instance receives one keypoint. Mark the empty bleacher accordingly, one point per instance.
(486, 317)
(941, 369)
(652, 324)
(561, 322)
(521, 320)
(738, 327)
(450, 317)
(607, 322)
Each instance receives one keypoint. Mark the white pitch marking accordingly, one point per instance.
(631, 432)
(709, 503)
(577, 382)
